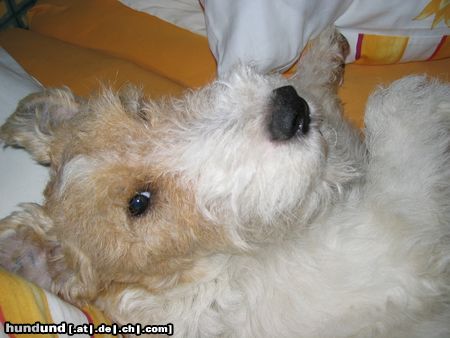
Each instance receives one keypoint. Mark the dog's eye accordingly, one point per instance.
(139, 203)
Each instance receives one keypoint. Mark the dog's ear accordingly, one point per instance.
(133, 102)
(35, 120)
(30, 248)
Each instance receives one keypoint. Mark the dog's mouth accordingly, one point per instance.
(289, 115)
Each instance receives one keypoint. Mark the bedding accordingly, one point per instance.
(381, 32)
(57, 63)
(187, 14)
(111, 28)
(378, 32)
(13, 13)
(21, 179)
(24, 302)
(85, 44)
(66, 34)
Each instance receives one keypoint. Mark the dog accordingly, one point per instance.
(247, 208)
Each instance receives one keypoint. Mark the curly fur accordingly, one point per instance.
(324, 235)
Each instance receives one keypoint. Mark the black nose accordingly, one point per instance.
(289, 114)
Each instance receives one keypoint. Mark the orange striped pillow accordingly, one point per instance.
(382, 49)
(22, 302)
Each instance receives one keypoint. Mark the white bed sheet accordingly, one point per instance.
(21, 179)
(187, 14)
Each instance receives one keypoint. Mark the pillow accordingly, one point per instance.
(272, 34)
(153, 44)
(21, 179)
(396, 31)
(187, 14)
(22, 302)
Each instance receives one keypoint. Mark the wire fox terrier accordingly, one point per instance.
(248, 208)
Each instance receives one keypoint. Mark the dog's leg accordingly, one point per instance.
(408, 139)
(321, 67)
(320, 73)
(408, 189)
(26, 244)
(30, 248)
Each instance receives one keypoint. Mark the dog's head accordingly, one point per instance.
(139, 189)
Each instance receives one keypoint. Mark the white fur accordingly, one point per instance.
(330, 235)
(355, 245)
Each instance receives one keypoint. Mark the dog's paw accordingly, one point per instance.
(333, 48)
(29, 248)
(342, 50)
(324, 58)
(415, 103)
(25, 244)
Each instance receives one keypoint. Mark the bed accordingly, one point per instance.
(85, 44)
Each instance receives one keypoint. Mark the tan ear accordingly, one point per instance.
(37, 116)
(131, 98)
(133, 102)
(30, 248)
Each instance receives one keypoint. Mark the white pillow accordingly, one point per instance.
(21, 179)
(270, 34)
(187, 14)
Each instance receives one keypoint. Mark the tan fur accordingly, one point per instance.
(101, 152)
(155, 250)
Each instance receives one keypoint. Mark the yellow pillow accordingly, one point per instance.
(117, 30)
(22, 302)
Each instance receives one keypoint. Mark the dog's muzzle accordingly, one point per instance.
(290, 114)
